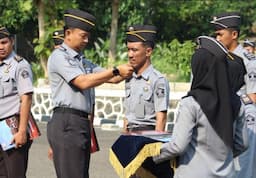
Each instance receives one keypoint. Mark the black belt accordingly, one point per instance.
(7, 117)
(138, 127)
(70, 111)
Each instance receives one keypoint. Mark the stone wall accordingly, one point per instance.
(108, 103)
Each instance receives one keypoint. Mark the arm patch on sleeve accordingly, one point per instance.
(160, 90)
(25, 74)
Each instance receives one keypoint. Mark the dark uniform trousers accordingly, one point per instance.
(13, 163)
(69, 137)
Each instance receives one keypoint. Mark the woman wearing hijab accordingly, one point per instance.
(209, 129)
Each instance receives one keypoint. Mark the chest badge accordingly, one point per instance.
(6, 70)
(145, 89)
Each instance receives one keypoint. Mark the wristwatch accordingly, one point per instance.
(115, 71)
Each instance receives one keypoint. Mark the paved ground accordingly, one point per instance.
(41, 167)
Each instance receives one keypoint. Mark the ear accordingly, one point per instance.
(148, 51)
(68, 32)
(234, 35)
(12, 40)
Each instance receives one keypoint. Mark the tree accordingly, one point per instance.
(113, 33)
(176, 19)
(48, 18)
(41, 29)
(15, 13)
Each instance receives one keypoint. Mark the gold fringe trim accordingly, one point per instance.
(173, 164)
(152, 149)
(141, 172)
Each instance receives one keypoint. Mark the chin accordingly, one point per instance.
(133, 65)
(2, 56)
(82, 48)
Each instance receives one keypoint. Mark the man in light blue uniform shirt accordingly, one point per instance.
(227, 30)
(89, 67)
(147, 91)
(16, 89)
(68, 131)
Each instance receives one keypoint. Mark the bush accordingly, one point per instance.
(173, 59)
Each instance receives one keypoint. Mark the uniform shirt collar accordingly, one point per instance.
(70, 51)
(8, 59)
(145, 74)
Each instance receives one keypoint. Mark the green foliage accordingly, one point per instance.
(44, 46)
(38, 71)
(173, 59)
(15, 13)
(98, 53)
(177, 22)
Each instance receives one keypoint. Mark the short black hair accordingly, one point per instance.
(234, 29)
(149, 44)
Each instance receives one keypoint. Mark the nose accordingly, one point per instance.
(218, 38)
(130, 54)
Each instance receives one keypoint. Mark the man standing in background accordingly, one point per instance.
(227, 31)
(147, 91)
(16, 91)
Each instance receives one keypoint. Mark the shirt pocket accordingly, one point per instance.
(147, 100)
(147, 94)
(7, 85)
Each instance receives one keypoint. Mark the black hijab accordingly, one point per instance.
(216, 79)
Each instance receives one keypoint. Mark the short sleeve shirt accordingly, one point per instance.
(145, 95)
(15, 81)
(64, 65)
(91, 68)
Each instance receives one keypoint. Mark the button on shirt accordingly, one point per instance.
(91, 68)
(146, 95)
(64, 65)
(15, 80)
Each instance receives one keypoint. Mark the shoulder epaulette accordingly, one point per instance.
(18, 58)
(250, 56)
(62, 48)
